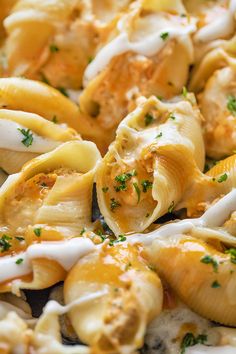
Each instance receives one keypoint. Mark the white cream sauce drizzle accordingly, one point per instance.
(66, 253)
(202, 349)
(149, 46)
(11, 139)
(220, 28)
(53, 307)
(213, 217)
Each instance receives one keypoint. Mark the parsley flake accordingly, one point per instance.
(137, 190)
(190, 340)
(105, 189)
(146, 185)
(19, 260)
(19, 238)
(63, 91)
(54, 119)
(232, 253)
(172, 116)
(122, 179)
(54, 48)
(231, 104)
(37, 231)
(159, 135)
(82, 231)
(114, 204)
(4, 243)
(121, 238)
(222, 178)
(28, 137)
(215, 284)
(210, 260)
(164, 35)
(148, 119)
(171, 207)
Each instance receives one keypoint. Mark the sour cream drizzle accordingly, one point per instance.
(11, 139)
(149, 46)
(220, 28)
(66, 253)
(213, 217)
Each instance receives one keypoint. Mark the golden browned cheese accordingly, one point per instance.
(133, 297)
(203, 277)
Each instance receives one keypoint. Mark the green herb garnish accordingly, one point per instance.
(171, 207)
(215, 284)
(184, 92)
(54, 119)
(4, 243)
(159, 135)
(231, 104)
(19, 260)
(105, 189)
(19, 238)
(146, 185)
(222, 178)
(37, 231)
(28, 137)
(190, 340)
(63, 91)
(122, 179)
(121, 238)
(54, 48)
(232, 253)
(137, 190)
(148, 119)
(114, 204)
(210, 260)
(164, 35)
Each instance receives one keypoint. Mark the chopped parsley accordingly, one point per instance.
(146, 185)
(210, 260)
(184, 92)
(148, 119)
(137, 190)
(54, 48)
(232, 253)
(159, 135)
(82, 231)
(28, 137)
(121, 238)
(231, 104)
(19, 260)
(164, 35)
(171, 207)
(147, 215)
(38, 231)
(122, 179)
(222, 178)
(190, 340)
(215, 284)
(172, 116)
(4, 243)
(19, 238)
(63, 91)
(105, 189)
(114, 204)
(54, 119)
(90, 59)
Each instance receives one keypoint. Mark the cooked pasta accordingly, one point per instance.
(117, 176)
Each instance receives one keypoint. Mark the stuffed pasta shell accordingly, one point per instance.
(58, 56)
(150, 55)
(158, 151)
(24, 136)
(217, 99)
(132, 297)
(41, 209)
(209, 187)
